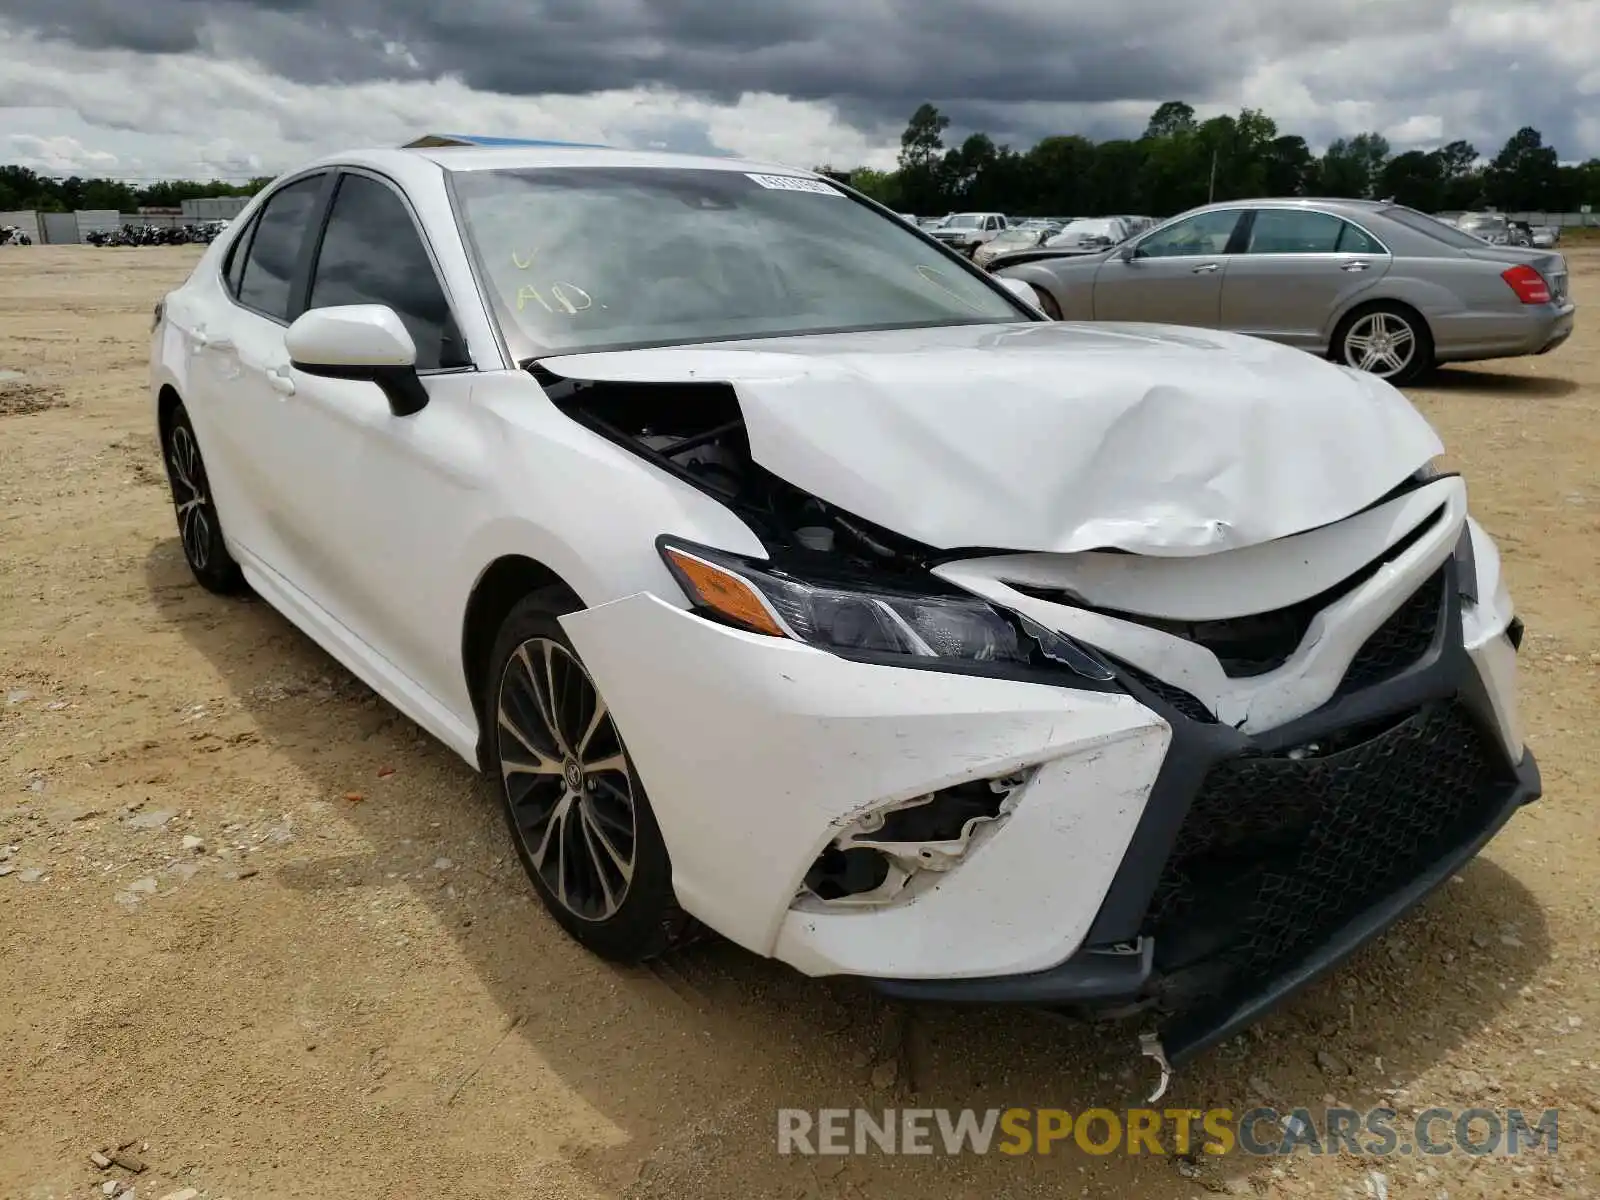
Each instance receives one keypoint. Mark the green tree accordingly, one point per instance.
(1353, 167)
(1525, 174)
(1174, 118)
(1415, 178)
(921, 160)
(882, 186)
(1289, 167)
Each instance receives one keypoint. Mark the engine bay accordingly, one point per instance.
(696, 432)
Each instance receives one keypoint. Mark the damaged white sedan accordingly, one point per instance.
(793, 575)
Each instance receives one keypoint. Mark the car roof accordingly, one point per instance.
(403, 161)
(1334, 203)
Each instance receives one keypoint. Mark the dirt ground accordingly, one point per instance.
(359, 997)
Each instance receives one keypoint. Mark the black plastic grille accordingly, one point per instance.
(1172, 695)
(1401, 640)
(1278, 851)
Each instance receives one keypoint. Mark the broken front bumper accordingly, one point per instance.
(1261, 862)
(758, 752)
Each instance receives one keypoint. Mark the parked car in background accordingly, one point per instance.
(672, 494)
(967, 231)
(1021, 237)
(1137, 225)
(1088, 234)
(1546, 236)
(1492, 228)
(1374, 285)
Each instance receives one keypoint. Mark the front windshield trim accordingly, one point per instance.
(520, 348)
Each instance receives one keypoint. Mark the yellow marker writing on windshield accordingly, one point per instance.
(519, 264)
(561, 293)
(524, 294)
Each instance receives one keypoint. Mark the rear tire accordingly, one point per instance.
(1390, 341)
(199, 527)
(578, 814)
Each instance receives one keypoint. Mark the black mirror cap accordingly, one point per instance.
(401, 386)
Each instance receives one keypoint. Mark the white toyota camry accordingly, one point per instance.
(794, 576)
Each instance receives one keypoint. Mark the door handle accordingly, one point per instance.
(1354, 266)
(1205, 268)
(280, 381)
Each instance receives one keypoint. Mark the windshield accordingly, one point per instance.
(963, 221)
(588, 258)
(1433, 227)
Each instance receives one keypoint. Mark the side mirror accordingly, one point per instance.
(1021, 290)
(1127, 252)
(360, 341)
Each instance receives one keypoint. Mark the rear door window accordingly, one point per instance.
(267, 281)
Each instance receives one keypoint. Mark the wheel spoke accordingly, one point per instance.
(202, 538)
(1402, 335)
(617, 763)
(595, 843)
(595, 721)
(541, 698)
(623, 862)
(552, 824)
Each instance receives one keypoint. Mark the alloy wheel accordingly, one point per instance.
(190, 495)
(567, 779)
(1382, 343)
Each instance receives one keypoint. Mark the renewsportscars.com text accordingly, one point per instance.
(1257, 1131)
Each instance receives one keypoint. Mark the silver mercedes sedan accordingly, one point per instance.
(1370, 284)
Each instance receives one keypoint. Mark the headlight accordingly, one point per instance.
(842, 617)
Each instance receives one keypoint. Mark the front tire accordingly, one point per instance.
(578, 814)
(1385, 340)
(199, 527)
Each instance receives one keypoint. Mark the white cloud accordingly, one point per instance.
(165, 115)
(1430, 71)
(60, 156)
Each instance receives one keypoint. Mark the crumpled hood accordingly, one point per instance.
(1058, 437)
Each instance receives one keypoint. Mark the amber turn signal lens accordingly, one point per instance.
(726, 593)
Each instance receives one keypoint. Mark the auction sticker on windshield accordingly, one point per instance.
(794, 183)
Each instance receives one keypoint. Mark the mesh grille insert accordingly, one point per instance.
(1277, 851)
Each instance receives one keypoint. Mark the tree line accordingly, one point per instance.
(22, 188)
(1181, 161)
(1177, 163)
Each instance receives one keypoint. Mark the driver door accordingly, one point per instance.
(1172, 276)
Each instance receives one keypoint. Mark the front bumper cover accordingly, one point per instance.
(1123, 960)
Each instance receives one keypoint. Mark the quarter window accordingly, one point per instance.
(234, 267)
(1203, 233)
(372, 254)
(1358, 241)
(268, 274)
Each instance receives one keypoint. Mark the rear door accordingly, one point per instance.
(1172, 275)
(241, 356)
(1298, 266)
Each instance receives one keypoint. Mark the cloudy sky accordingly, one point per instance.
(238, 87)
